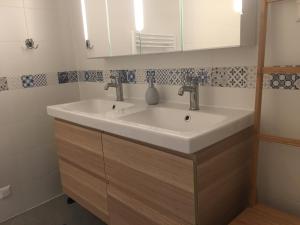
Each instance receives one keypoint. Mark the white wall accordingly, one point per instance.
(279, 181)
(27, 153)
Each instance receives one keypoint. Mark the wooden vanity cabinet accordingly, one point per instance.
(125, 182)
(147, 186)
(82, 167)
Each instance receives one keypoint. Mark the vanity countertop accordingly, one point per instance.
(168, 125)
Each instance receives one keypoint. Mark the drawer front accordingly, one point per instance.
(148, 186)
(81, 147)
(84, 188)
(86, 138)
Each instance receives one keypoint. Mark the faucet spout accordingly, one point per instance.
(193, 89)
(118, 85)
(108, 85)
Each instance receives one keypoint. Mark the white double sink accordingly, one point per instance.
(167, 125)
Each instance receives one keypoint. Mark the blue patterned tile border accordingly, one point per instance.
(67, 77)
(92, 76)
(230, 77)
(37, 80)
(3, 84)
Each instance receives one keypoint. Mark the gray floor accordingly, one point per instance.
(56, 212)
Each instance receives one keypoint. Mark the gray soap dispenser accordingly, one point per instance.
(152, 96)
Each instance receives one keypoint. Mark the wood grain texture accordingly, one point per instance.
(258, 94)
(262, 215)
(85, 138)
(82, 166)
(223, 179)
(85, 189)
(149, 182)
(280, 140)
(283, 70)
(81, 147)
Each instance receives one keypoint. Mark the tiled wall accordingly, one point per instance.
(28, 83)
(232, 77)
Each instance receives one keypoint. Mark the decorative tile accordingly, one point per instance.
(40, 80)
(219, 77)
(3, 84)
(131, 78)
(63, 77)
(162, 76)
(73, 76)
(176, 77)
(187, 72)
(150, 74)
(204, 76)
(93, 76)
(283, 81)
(27, 81)
(237, 77)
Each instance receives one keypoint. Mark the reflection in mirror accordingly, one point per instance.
(209, 24)
(95, 27)
(161, 30)
(122, 27)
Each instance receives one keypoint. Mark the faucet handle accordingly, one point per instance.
(192, 80)
(116, 78)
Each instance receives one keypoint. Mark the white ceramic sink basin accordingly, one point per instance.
(174, 119)
(96, 106)
(170, 126)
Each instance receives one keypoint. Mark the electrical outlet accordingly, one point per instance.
(5, 192)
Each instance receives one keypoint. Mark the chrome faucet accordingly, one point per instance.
(116, 83)
(193, 88)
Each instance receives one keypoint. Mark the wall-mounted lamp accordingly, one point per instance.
(238, 6)
(85, 26)
(298, 10)
(139, 15)
(29, 43)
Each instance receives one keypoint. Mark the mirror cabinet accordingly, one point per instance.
(138, 27)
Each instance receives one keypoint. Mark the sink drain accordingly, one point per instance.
(187, 118)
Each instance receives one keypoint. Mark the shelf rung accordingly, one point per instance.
(279, 140)
(271, 1)
(285, 70)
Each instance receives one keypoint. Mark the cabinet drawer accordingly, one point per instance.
(80, 146)
(84, 188)
(147, 184)
(87, 138)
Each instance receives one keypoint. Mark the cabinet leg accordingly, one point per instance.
(70, 201)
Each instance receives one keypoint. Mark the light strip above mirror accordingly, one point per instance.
(84, 20)
(238, 6)
(139, 15)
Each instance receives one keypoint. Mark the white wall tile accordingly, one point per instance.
(12, 24)
(11, 3)
(42, 24)
(41, 4)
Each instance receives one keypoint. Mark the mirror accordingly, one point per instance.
(95, 28)
(138, 27)
(122, 27)
(161, 30)
(211, 24)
